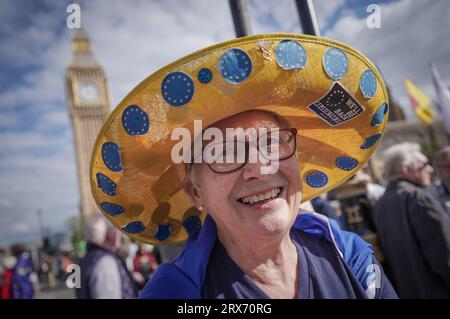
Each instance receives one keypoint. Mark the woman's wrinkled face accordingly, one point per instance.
(246, 201)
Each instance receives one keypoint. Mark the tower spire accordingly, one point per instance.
(83, 57)
(80, 41)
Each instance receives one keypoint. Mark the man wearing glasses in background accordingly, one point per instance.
(414, 229)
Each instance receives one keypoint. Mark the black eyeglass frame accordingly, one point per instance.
(294, 136)
(423, 166)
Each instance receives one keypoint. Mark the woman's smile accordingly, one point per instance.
(268, 199)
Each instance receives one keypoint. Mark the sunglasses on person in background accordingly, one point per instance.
(276, 145)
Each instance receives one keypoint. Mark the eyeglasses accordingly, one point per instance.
(229, 156)
(423, 166)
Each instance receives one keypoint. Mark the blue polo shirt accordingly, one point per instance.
(332, 264)
(321, 274)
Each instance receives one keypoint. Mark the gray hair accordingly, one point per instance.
(403, 154)
(441, 155)
(96, 227)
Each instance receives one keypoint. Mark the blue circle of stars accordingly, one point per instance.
(368, 84)
(335, 63)
(106, 184)
(370, 141)
(346, 163)
(316, 179)
(112, 209)
(134, 227)
(235, 66)
(378, 118)
(163, 231)
(290, 55)
(204, 75)
(191, 224)
(134, 120)
(177, 88)
(111, 156)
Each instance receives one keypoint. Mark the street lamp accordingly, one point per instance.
(41, 224)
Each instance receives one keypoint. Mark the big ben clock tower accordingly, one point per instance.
(88, 106)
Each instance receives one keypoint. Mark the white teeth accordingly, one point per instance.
(260, 197)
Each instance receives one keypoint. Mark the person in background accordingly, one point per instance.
(442, 188)
(8, 264)
(23, 274)
(63, 261)
(374, 190)
(133, 248)
(323, 206)
(413, 229)
(144, 264)
(103, 274)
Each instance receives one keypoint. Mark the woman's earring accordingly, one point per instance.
(200, 208)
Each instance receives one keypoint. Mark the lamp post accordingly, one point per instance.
(41, 224)
(308, 18)
(240, 17)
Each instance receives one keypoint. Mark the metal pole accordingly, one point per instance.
(240, 17)
(41, 224)
(308, 17)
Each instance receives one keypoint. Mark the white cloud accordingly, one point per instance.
(325, 11)
(43, 89)
(21, 228)
(58, 118)
(131, 39)
(30, 182)
(269, 16)
(413, 33)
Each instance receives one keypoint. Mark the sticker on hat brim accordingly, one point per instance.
(337, 106)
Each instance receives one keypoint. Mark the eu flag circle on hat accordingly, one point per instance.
(330, 92)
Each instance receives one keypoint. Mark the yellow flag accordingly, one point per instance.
(420, 102)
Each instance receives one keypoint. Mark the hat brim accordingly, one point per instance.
(139, 188)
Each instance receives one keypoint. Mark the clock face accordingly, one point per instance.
(89, 92)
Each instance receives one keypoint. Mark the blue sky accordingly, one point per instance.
(132, 39)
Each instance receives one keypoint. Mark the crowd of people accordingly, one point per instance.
(125, 263)
(18, 279)
(412, 220)
(411, 215)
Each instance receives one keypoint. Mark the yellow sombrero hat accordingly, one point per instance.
(329, 91)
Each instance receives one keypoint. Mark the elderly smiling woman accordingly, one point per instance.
(318, 108)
